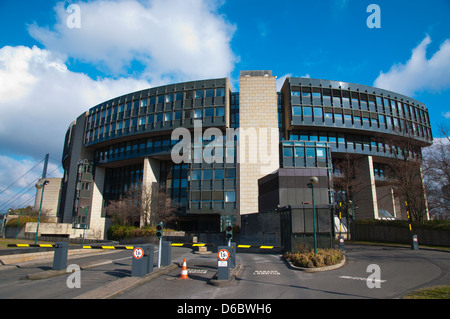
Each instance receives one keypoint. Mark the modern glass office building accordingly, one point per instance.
(251, 133)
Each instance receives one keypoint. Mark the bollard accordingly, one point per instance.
(166, 253)
(60, 255)
(415, 243)
(139, 266)
(223, 263)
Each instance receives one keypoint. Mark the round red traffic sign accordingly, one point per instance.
(223, 254)
(138, 253)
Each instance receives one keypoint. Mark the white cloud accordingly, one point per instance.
(40, 97)
(419, 73)
(176, 39)
(446, 114)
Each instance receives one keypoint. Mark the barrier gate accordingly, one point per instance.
(142, 254)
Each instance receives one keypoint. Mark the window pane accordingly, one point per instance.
(220, 111)
(307, 111)
(207, 174)
(198, 94)
(209, 112)
(287, 151)
(196, 175)
(230, 196)
(296, 110)
(318, 112)
(300, 152)
(220, 92)
(198, 113)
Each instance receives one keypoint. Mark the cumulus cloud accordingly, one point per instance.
(40, 97)
(419, 73)
(175, 40)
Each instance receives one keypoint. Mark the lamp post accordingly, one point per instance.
(39, 186)
(314, 180)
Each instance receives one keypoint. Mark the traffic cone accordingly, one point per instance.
(184, 272)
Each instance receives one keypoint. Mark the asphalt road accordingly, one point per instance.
(267, 276)
(394, 272)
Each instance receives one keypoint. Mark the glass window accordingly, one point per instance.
(198, 94)
(209, 93)
(220, 92)
(168, 116)
(142, 120)
(198, 113)
(338, 117)
(310, 152)
(218, 174)
(321, 152)
(287, 152)
(209, 112)
(230, 173)
(151, 119)
(307, 111)
(328, 115)
(143, 102)
(220, 111)
(179, 96)
(169, 98)
(207, 174)
(178, 115)
(296, 110)
(318, 112)
(381, 119)
(159, 117)
(161, 99)
(299, 152)
(196, 175)
(230, 196)
(295, 93)
(336, 101)
(152, 100)
(347, 117)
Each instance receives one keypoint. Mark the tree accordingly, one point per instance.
(436, 168)
(405, 173)
(142, 205)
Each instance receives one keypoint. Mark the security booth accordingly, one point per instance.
(297, 227)
(301, 197)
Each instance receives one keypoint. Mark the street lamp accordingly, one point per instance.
(39, 186)
(314, 180)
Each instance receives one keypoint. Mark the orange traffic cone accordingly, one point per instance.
(184, 272)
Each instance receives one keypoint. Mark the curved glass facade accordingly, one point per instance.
(318, 121)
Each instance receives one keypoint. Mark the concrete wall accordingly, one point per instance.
(258, 153)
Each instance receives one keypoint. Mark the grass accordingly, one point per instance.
(438, 292)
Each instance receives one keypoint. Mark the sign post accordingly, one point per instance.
(223, 263)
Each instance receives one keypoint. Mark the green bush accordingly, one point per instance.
(307, 259)
(118, 232)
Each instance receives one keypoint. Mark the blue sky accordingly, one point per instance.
(50, 73)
